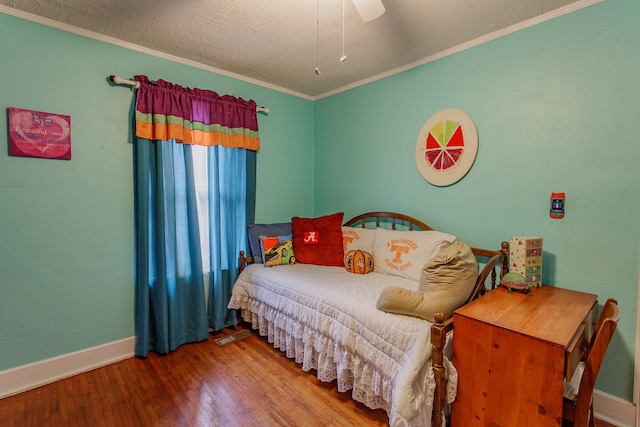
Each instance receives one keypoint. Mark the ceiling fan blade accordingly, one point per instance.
(369, 9)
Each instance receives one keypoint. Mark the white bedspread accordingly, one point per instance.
(326, 319)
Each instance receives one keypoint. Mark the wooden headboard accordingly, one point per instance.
(391, 220)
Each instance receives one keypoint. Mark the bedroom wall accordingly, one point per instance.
(66, 227)
(556, 108)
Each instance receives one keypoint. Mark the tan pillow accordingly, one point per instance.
(445, 284)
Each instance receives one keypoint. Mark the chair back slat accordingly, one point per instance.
(605, 327)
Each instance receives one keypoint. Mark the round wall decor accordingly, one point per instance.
(446, 147)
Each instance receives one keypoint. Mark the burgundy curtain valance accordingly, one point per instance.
(194, 116)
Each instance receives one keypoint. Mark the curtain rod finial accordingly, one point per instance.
(120, 81)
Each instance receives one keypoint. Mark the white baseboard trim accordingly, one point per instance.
(32, 375)
(612, 409)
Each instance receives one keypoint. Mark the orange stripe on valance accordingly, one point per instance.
(163, 132)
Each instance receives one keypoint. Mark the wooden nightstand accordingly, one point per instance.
(513, 352)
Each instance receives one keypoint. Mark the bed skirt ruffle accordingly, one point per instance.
(313, 350)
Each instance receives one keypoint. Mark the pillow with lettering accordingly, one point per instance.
(404, 253)
(354, 238)
(318, 240)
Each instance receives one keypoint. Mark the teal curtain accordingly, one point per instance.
(170, 304)
(229, 201)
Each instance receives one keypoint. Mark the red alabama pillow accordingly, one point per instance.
(318, 240)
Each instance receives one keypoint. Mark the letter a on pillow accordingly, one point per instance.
(445, 284)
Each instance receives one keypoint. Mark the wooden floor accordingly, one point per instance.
(244, 383)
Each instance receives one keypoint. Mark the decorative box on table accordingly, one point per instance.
(525, 258)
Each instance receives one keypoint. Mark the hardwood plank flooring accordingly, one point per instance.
(244, 383)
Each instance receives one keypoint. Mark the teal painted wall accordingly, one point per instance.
(66, 227)
(556, 108)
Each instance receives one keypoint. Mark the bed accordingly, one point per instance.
(325, 318)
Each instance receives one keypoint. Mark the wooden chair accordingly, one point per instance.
(579, 412)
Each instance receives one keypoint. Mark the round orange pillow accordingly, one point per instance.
(358, 262)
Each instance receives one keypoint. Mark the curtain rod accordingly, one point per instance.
(120, 81)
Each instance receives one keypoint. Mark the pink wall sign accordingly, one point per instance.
(38, 134)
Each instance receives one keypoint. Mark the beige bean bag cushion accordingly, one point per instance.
(445, 284)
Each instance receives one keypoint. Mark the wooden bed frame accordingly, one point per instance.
(492, 259)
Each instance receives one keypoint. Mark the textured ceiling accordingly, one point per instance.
(275, 41)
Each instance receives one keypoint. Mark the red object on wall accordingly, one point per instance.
(557, 206)
(39, 134)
